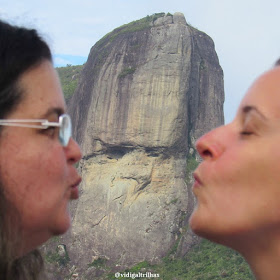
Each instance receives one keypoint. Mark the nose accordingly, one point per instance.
(73, 151)
(210, 146)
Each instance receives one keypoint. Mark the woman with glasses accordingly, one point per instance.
(237, 185)
(37, 154)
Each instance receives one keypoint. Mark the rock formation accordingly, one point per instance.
(148, 90)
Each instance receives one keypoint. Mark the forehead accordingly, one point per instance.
(265, 94)
(42, 91)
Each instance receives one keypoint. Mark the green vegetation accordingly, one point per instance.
(202, 65)
(172, 251)
(205, 261)
(192, 164)
(54, 257)
(126, 72)
(211, 261)
(133, 26)
(100, 58)
(100, 262)
(69, 77)
(173, 201)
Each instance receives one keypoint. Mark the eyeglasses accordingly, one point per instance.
(64, 123)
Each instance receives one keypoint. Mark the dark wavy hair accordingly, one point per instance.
(21, 49)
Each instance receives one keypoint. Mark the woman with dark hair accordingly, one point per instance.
(237, 185)
(37, 153)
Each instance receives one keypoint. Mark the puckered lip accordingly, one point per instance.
(77, 183)
(197, 180)
(74, 190)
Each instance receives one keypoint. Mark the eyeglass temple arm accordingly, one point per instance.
(47, 123)
(22, 123)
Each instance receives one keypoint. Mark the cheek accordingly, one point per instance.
(241, 192)
(35, 182)
(47, 176)
(237, 182)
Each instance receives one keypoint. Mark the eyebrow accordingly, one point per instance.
(53, 110)
(248, 109)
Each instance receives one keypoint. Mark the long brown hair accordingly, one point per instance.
(26, 267)
(20, 50)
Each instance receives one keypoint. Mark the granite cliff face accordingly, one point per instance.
(147, 92)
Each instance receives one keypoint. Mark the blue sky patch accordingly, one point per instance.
(61, 60)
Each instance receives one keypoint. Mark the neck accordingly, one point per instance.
(265, 266)
(262, 253)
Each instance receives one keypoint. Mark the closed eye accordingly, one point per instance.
(50, 131)
(246, 133)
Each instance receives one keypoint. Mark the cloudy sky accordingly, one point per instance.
(245, 32)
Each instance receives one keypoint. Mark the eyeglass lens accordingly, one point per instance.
(65, 131)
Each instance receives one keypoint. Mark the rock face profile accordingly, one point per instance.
(148, 90)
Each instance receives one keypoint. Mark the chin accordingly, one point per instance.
(197, 226)
(203, 227)
(61, 226)
(215, 232)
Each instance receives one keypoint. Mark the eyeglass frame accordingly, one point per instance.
(64, 139)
